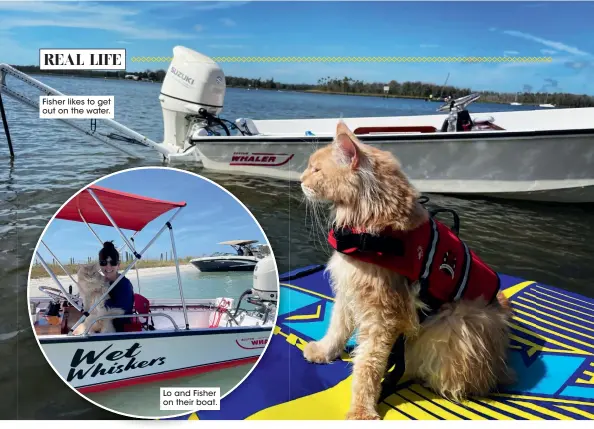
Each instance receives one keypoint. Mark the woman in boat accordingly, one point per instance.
(122, 295)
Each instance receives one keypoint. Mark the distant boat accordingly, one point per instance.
(245, 259)
(515, 102)
(547, 105)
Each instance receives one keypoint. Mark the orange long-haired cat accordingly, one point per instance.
(458, 352)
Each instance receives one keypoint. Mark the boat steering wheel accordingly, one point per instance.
(459, 103)
(55, 294)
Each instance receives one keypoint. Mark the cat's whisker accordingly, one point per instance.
(310, 213)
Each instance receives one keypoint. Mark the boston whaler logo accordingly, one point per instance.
(266, 159)
(114, 362)
(252, 343)
(182, 76)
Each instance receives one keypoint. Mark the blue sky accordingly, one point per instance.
(211, 216)
(562, 30)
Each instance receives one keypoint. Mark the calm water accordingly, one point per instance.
(550, 244)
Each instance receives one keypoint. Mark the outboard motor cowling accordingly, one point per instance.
(265, 287)
(193, 82)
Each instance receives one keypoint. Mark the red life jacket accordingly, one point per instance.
(431, 254)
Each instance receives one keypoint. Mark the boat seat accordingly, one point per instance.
(248, 125)
(141, 306)
(483, 120)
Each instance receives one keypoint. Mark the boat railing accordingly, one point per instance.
(122, 316)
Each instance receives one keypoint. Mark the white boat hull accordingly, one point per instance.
(103, 361)
(545, 166)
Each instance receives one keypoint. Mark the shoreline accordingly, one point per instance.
(403, 97)
(307, 91)
(34, 283)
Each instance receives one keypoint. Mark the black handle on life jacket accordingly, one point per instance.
(364, 242)
(423, 199)
(456, 227)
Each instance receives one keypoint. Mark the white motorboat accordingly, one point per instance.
(547, 105)
(515, 102)
(245, 258)
(165, 338)
(544, 155)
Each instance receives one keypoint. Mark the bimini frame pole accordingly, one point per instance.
(59, 263)
(106, 213)
(137, 257)
(137, 275)
(97, 236)
(90, 228)
(55, 279)
(179, 282)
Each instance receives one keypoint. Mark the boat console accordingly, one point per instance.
(459, 118)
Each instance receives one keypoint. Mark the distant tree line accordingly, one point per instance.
(154, 75)
(347, 85)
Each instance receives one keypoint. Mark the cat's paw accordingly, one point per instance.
(361, 413)
(79, 330)
(315, 352)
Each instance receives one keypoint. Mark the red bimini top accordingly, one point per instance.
(129, 211)
(432, 254)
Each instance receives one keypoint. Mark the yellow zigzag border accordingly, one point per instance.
(358, 59)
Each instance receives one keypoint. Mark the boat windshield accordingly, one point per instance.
(244, 250)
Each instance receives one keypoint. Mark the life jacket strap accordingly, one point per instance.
(344, 240)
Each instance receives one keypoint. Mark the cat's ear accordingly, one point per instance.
(342, 128)
(346, 143)
(348, 149)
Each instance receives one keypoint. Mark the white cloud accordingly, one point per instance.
(87, 15)
(559, 46)
(224, 36)
(126, 28)
(522, 64)
(510, 53)
(18, 53)
(226, 46)
(548, 51)
(228, 22)
(66, 7)
(220, 5)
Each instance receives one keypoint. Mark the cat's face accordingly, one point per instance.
(332, 174)
(89, 273)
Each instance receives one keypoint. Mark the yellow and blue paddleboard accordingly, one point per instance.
(552, 351)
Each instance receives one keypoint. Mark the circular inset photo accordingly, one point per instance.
(153, 292)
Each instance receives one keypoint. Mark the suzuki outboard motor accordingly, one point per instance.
(265, 288)
(263, 294)
(192, 91)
